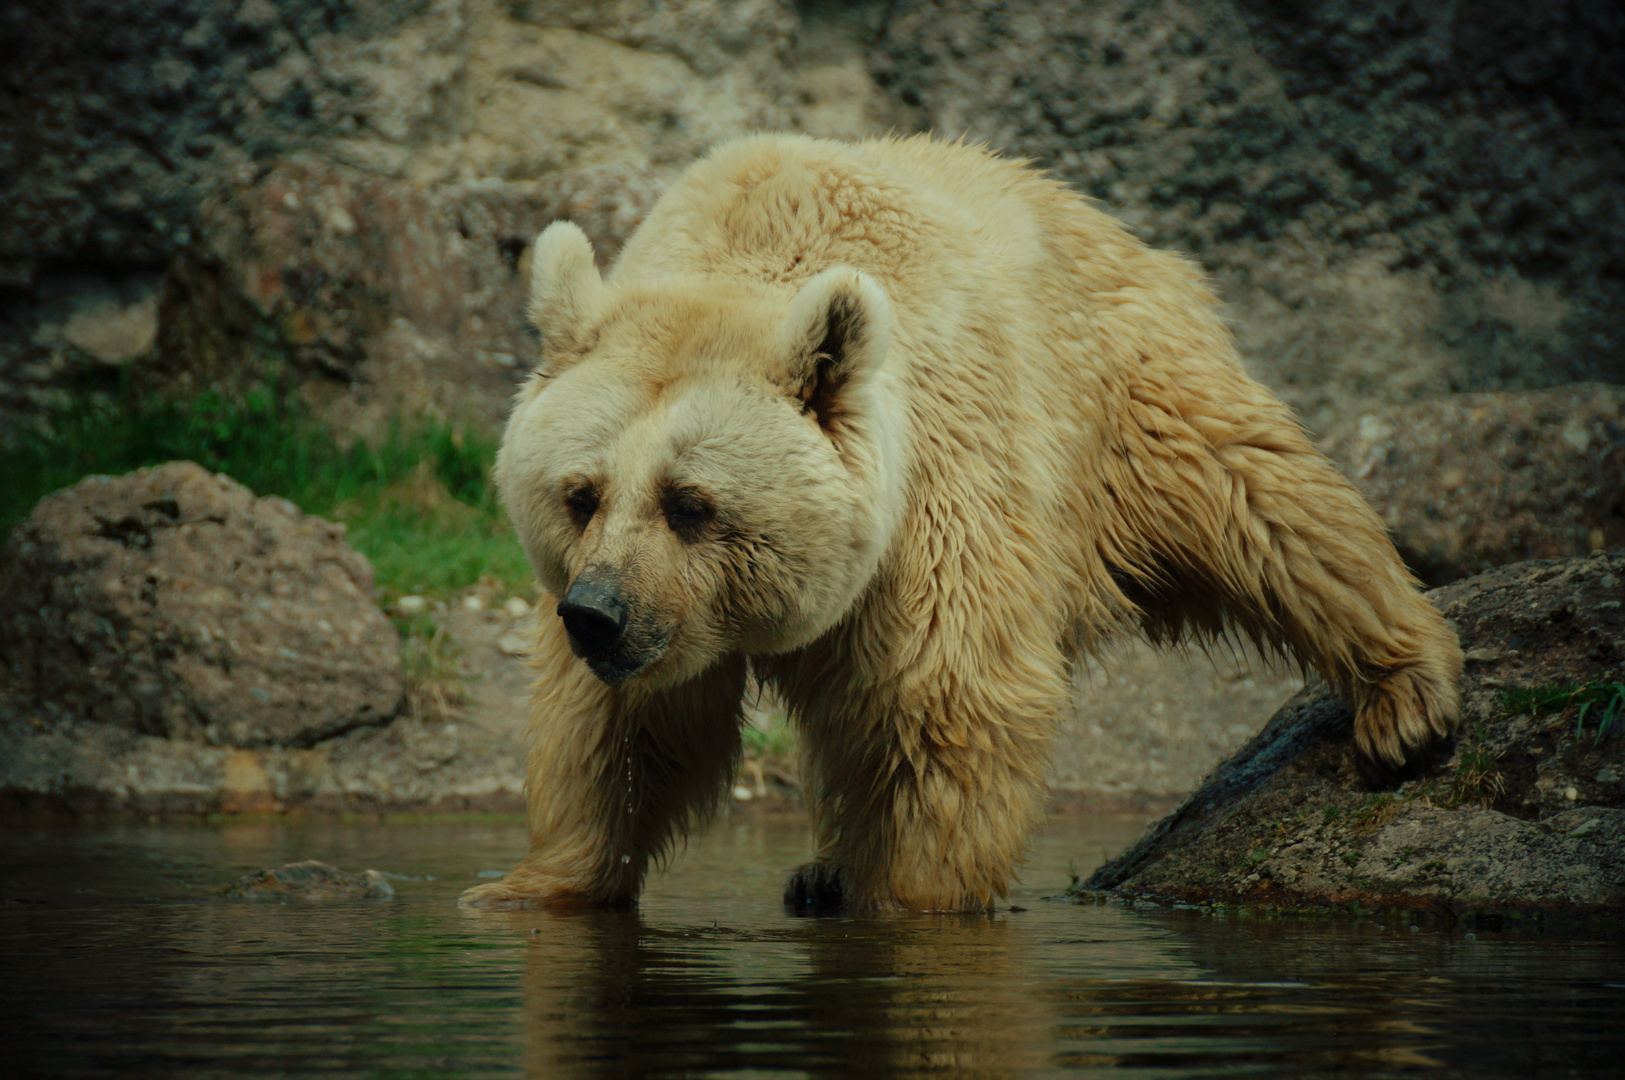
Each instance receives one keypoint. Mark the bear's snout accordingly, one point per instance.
(595, 614)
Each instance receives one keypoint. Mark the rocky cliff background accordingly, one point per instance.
(1414, 211)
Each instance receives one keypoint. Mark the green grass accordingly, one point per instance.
(773, 742)
(1603, 702)
(1476, 780)
(418, 502)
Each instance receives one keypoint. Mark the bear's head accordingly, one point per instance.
(701, 467)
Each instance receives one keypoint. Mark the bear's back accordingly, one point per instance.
(915, 213)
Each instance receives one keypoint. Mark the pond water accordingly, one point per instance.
(117, 956)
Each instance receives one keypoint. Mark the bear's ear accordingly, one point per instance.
(838, 331)
(566, 291)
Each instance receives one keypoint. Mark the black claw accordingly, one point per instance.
(1381, 775)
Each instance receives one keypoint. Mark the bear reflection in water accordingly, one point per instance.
(610, 993)
(906, 428)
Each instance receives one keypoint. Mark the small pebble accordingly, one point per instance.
(411, 605)
(490, 873)
(743, 793)
(1471, 937)
(512, 645)
(1571, 793)
(471, 602)
(516, 608)
(1414, 929)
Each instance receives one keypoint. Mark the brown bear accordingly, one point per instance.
(904, 428)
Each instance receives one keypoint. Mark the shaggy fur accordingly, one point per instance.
(909, 426)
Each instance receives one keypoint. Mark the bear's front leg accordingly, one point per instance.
(1228, 516)
(925, 806)
(613, 776)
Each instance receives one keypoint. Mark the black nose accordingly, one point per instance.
(594, 616)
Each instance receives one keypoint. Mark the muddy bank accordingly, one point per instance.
(1526, 814)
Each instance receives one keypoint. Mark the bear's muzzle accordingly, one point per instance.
(596, 615)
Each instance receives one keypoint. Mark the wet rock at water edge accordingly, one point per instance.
(1526, 815)
(311, 881)
(173, 602)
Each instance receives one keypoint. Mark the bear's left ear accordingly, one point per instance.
(837, 332)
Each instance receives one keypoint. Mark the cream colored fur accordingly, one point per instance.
(1031, 431)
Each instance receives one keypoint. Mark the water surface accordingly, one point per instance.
(118, 957)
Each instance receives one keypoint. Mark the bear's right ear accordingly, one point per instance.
(566, 291)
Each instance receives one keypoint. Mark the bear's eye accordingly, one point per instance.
(582, 502)
(686, 513)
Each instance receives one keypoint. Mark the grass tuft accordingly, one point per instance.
(1602, 702)
(1379, 809)
(418, 502)
(1476, 780)
(1609, 700)
(431, 664)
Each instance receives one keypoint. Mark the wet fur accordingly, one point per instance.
(1039, 436)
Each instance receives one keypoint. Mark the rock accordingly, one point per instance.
(1288, 822)
(54, 767)
(1479, 480)
(117, 118)
(174, 603)
(120, 122)
(1397, 202)
(111, 332)
(707, 35)
(313, 881)
(396, 296)
(76, 334)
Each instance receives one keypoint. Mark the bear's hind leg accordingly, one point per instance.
(613, 778)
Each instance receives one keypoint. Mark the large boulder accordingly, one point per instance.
(1527, 814)
(172, 602)
(1473, 481)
